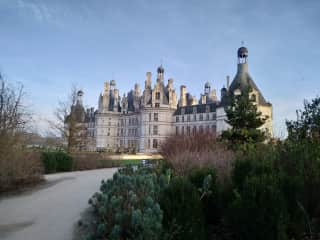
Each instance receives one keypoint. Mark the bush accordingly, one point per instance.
(182, 211)
(127, 207)
(56, 162)
(19, 168)
(184, 153)
(211, 200)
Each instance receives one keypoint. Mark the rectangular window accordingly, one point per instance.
(177, 118)
(155, 130)
(194, 117)
(155, 143)
(157, 105)
(157, 96)
(201, 117)
(148, 143)
(182, 130)
(155, 117)
(182, 118)
(177, 130)
(188, 118)
(194, 130)
(149, 117)
(207, 116)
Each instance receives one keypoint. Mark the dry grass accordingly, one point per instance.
(184, 153)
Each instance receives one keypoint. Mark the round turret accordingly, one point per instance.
(113, 83)
(207, 85)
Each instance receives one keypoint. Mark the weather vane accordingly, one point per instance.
(242, 43)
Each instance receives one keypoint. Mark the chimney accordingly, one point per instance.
(183, 97)
(228, 82)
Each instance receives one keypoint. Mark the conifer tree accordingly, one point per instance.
(244, 119)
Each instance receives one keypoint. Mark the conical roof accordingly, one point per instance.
(243, 80)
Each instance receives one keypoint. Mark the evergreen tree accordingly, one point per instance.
(307, 125)
(244, 119)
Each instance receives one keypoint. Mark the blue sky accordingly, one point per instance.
(50, 45)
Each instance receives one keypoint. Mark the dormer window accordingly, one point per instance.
(254, 97)
(182, 111)
(207, 108)
(157, 95)
(237, 92)
(194, 109)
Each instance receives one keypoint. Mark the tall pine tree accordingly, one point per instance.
(244, 119)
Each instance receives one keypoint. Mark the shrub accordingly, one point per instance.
(182, 211)
(185, 153)
(127, 207)
(258, 210)
(211, 201)
(19, 168)
(56, 162)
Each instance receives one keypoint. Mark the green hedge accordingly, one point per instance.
(56, 162)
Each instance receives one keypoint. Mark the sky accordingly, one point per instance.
(50, 45)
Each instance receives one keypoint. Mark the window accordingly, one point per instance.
(157, 95)
(155, 130)
(194, 117)
(182, 118)
(157, 105)
(188, 130)
(148, 143)
(201, 117)
(177, 130)
(149, 129)
(188, 118)
(194, 110)
(155, 143)
(155, 117)
(182, 130)
(194, 130)
(177, 118)
(254, 97)
(208, 116)
(149, 117)
(182, 111)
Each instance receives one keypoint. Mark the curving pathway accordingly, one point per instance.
(50, 211)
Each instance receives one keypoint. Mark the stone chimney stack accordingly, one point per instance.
(183, 96)
(106, 87)
(170, 84)
(148, 81)
(203, 99)
(228, 82)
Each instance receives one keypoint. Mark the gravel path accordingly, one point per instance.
(50, 211)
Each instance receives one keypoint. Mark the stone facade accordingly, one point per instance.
(141, 120)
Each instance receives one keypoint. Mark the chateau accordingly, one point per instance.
(141, 120)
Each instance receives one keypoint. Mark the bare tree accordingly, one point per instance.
(70, 121)
(14, 115)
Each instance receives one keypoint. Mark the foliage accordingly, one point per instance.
(57, 162)
(244, 119)
(277, 182)
(127, 206)
(307, 125)
(205, 181)
(182, 211)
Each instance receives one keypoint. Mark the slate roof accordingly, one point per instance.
(200, 108)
